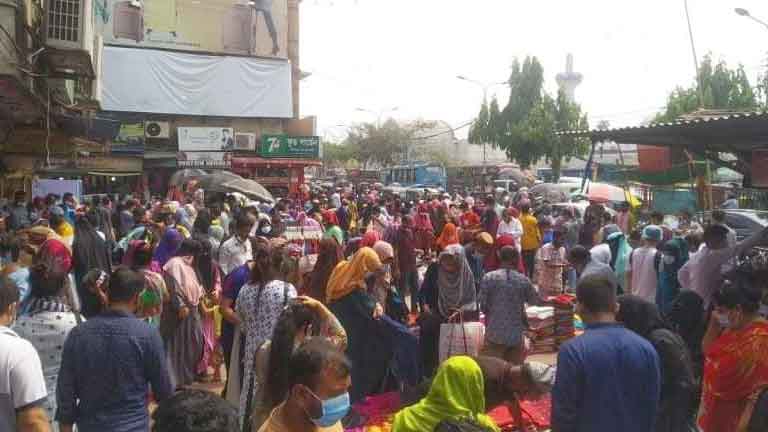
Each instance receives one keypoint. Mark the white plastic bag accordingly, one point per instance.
(461, 339)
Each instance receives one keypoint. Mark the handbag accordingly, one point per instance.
(460, 338)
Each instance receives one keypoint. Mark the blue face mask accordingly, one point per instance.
(333, 410)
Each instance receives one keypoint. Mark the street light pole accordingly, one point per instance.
(485, 86)
(745, 13)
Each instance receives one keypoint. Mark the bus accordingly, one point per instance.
(424, 174)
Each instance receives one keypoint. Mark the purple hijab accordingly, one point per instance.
(167, 248)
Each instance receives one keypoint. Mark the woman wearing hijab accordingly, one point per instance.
(688, 319)
(620, 252)
(457, 392)
(180, 324)
(452, 290)
(89, 252)
(332, 229)
(166, 249)
(155, 295)
(674, 256)
(368, 345)
(678, 385)
(449, 236)
(423, 230)
(328, 257)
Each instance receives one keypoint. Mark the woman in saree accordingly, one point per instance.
(328, 257)
(735, 364)
(210, 278)
(450, 292)
(180, 324)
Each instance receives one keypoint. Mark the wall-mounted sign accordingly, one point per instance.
(203, 160)
(283, 146)
(202, 139)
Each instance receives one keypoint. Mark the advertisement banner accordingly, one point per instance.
(130, 138)
(204, 160)
(243, 27)
(760, 168)
(283, 146)
(206, 139)
(213, 85)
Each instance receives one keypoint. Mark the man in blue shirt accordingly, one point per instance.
(607, 379)
(107, 364)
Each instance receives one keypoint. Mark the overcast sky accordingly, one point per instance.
(378, 54)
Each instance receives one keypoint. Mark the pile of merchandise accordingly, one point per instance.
(564, 318)
(541, 321)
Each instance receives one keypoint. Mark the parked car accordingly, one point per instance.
(744, 221)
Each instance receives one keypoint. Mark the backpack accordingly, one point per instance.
(460, 425)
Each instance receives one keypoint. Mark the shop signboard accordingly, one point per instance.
(206, 139)
(284, 146)
(204, 160)
(130, 138)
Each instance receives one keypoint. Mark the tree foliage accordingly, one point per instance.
(369, 143)
(722, 88)
(525, 128)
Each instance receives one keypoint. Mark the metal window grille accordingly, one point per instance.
(64, 20)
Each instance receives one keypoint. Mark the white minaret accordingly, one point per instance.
(569, 80)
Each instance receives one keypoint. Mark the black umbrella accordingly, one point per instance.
(215, 182)
(182, 176)
(251, 188)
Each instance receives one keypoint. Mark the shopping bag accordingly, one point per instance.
(462, 338)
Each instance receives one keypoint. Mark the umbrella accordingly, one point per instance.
(215, 182)
(250, 188)
(553, 192)
(603, 192)
(182, 176)
(522, 179)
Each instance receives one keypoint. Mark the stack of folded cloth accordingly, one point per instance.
(541, 320)
(564, 318)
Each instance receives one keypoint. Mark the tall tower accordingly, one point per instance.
(569, 80)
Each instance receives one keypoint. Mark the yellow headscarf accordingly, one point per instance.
(349, 275)
(458, 391)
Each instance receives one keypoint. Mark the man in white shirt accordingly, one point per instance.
(643, 275)
(237, 250)
(22, 385)
(703, 273)
(510, 225)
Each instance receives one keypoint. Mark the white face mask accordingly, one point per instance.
(724, 321)
(669, 259)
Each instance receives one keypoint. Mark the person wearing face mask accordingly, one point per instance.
(318, 391)
(236, 251)
(108, 364)
(22, 385)
(735, 364)
(304, 318)
(674, 256)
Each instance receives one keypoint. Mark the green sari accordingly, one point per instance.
(457, 392)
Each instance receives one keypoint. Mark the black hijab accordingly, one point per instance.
(639, 315)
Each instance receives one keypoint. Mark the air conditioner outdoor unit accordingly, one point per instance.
(157, 129)
(245, 141)
(69, 24)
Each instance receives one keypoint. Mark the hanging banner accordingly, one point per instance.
(760, 168)
(283, 146)
(202, 139)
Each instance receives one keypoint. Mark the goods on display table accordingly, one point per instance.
(552, 324)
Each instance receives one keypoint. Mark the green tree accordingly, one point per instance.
(525, 128)
(385, 144)
(722, 88)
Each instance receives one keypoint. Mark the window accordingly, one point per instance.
(64, 20)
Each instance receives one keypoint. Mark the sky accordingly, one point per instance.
(381, 54)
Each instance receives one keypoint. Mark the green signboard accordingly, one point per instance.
(284, 146)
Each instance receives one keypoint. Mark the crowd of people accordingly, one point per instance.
(110, 308)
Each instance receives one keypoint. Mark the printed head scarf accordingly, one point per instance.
(455, 290)
(457, 392)
(384, 250)
(449, 236)
(350, 275)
